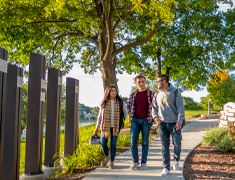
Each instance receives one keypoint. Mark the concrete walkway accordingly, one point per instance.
(192, 136)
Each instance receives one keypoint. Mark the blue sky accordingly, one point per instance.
(91, 86)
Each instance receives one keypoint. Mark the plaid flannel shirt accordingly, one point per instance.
(131, 105)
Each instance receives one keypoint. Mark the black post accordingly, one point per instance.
(54, 92)
(71, 116)
(11, 155)
(3, 87)
(35, 114)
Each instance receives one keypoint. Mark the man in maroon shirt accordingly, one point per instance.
(140, 107)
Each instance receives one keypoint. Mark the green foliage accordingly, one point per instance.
(189, 103)
(219, 138)
(222, 89)
(215, 135)
(95, 110)
(196, 115)
(194, 46)
(204, 102)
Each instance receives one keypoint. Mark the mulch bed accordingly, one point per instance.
(204, 162)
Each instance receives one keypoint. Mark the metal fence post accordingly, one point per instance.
(3, 86)
(35, 114)
(53, 118)
(71, 116)
(11, 154)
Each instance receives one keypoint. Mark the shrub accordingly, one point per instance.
(219, 138)
(225, 144)
(214, 136)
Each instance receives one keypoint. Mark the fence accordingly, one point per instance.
(11, 84)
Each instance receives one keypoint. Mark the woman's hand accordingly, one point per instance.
(96, 130)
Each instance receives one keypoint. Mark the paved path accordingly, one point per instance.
(192, 136)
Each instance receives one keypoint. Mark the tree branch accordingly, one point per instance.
(137, 43)
(81, 34)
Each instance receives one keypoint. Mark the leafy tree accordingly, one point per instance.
(189, 103)
(104, 32)
(95, 110)
(204, 102)
(99, 29)
(195, 46)
(221, 88)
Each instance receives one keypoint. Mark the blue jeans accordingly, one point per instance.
(165, 130)
(113, 143)
(138, 125)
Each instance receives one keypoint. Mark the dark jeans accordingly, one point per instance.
(138, 125)
(165, 130)
(113, 143)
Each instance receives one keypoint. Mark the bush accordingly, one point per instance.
(214, 136)
(219, 138)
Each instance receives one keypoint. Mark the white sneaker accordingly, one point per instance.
(176, 166)
(143, 166)
(134, 165)
(164, 172)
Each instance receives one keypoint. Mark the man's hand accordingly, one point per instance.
(96, 130)
(158, 121)
(178, 126)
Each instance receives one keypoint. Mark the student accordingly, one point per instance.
(111, 117)
(140, 107)
(168, 112)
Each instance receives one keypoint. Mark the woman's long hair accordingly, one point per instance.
(107, 94)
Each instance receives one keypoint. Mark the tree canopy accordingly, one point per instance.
(221, 88)
(197, 44)
(104, 32)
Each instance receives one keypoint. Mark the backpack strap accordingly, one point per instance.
(176, 93)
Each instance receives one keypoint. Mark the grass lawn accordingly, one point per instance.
(193, 112)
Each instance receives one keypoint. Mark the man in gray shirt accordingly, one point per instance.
(168, 113)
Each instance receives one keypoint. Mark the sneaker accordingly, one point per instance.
(106, 160)
(143, 166)
(176, 166)
(111, 165)
(134, 165)
(164, 172)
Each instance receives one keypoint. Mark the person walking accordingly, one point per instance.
(168, 112)
(110, 120)
(139, 109)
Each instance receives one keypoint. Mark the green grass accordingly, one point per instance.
(193, 112)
